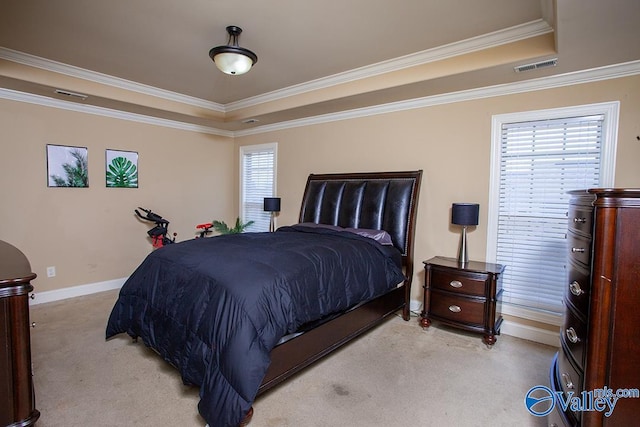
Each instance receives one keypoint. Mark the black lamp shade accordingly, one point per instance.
(465, 213)
(272, 204)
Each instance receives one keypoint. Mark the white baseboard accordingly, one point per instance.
(76, 291)
(415, 305)
(530, 333)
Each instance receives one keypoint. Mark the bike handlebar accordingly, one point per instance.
(151, 216)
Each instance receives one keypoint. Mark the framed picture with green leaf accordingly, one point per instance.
(67, 166)
(121, 169)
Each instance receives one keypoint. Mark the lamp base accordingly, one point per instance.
(463, 256)
(272, 223)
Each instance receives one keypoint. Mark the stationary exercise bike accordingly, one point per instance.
(204, 229)
(158, 233)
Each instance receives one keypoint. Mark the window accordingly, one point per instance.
(257, 181)
(537, 158)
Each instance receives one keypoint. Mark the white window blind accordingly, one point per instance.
(540, 161)
(257, 177)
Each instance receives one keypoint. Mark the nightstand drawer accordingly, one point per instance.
(459, 282)
(458, 309)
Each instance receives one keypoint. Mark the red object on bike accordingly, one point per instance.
(156, 241)
(205, 225)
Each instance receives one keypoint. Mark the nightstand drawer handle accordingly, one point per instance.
(577, 250)
(455, 284)
(567, 381)
(575, 288)
(572, 336)
(579, 220)
(455, 308)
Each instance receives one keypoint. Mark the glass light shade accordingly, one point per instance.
(233, 63)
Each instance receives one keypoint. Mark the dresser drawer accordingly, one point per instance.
(570, 379)
(558, 418)
(459, 282)
(574, 335)
(458, 309)
(580, 219)
(578, 288)
(579, 248)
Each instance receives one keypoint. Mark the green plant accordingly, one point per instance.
(77, 174)
(122, 173)
(222, 228)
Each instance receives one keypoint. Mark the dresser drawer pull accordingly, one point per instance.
(455, 284)
(577, 250)
(575, 288)
(579, 220)
(567, 381)
(455, 308)
(572, 336)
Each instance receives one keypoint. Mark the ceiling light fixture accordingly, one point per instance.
(233, 59)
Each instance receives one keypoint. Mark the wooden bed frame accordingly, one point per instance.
(382, 201)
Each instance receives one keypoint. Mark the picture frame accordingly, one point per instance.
(121, 169)
(67, 166)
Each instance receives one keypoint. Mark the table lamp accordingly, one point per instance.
(464, 214)
(272, 205)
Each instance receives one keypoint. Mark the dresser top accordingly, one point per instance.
(14, 266)
(608, 192)
(611, 197)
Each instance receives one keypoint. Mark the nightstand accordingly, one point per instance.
(464, 296)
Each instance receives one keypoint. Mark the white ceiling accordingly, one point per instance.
(164, 44)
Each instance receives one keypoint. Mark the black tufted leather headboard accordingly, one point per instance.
(382, 201)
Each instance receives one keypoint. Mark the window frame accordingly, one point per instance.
(610, 111)
(247, 149)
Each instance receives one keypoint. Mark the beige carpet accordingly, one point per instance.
(396, 375)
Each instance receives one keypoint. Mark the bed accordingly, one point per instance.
(239, 314)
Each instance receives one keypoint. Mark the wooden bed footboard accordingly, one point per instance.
(296, 354)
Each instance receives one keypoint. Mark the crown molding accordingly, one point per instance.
(107, 112)
(474, 44)
(572, 78)
(93, 76)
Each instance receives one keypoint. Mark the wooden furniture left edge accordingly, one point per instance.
(17, 397)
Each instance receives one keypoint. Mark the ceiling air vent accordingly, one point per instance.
(81, 96)
(542, 64)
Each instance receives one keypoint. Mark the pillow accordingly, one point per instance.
(379, 236)
(315, 225)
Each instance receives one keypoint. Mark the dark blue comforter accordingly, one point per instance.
(214, 308)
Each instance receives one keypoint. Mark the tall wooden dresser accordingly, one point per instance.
(600, 337)
(17, 402)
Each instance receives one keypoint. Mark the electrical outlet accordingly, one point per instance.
(51, 272)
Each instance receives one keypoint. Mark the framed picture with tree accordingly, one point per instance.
(121, 169)
(67, 166)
